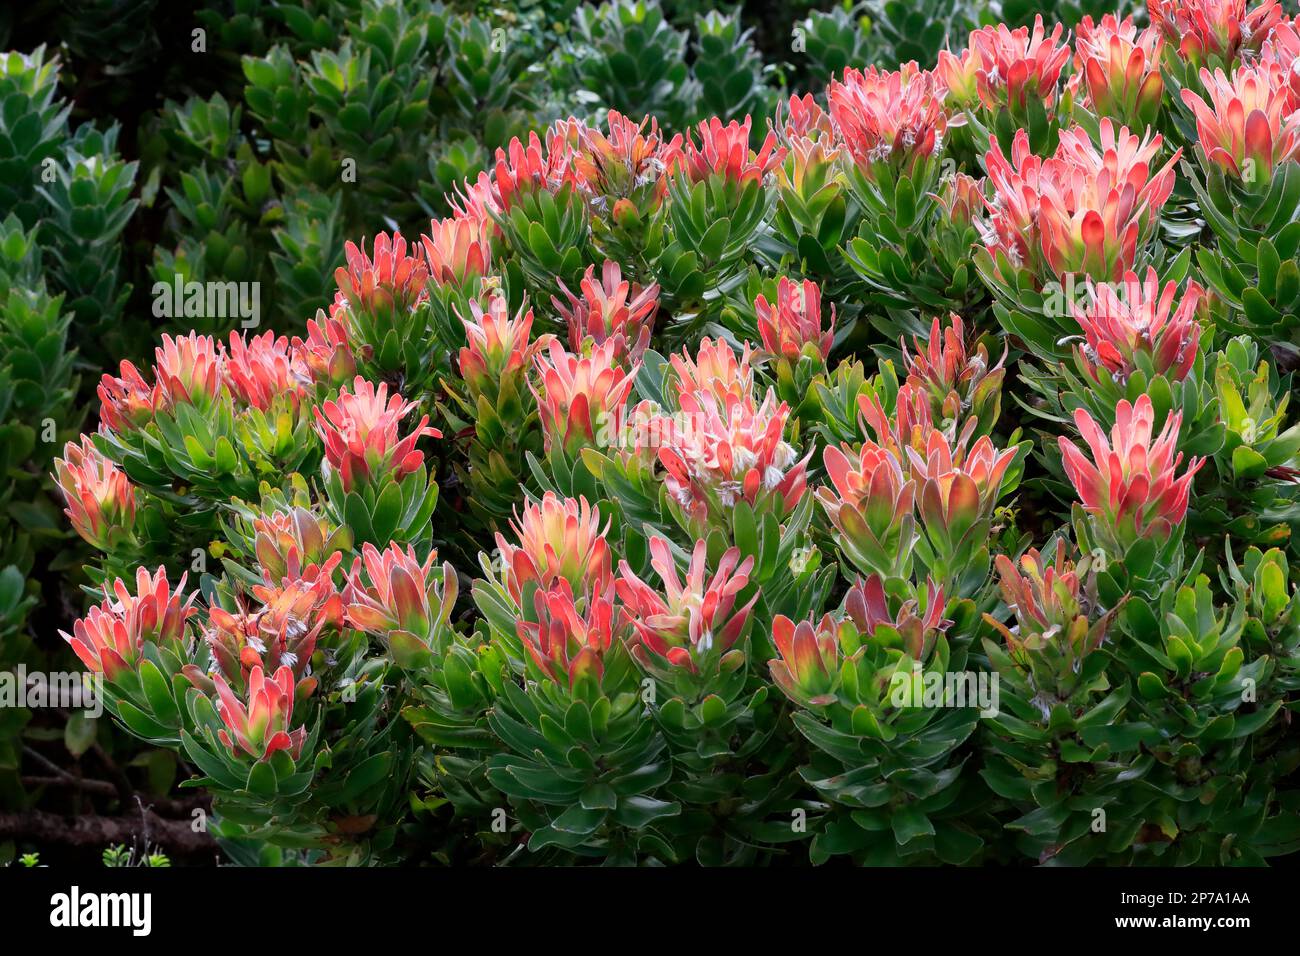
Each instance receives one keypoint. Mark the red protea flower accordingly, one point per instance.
(126, 402)
(802, 118)
(959, 380)
(1003, 68)
(1118, 328)
(100, 499)
(559, 539)
(188, 370)
(1254, 124)
(1120, 68)
(962, 199)
(1282, 51)
(870, 503)
(326, 353)
(295, 543)
(458, 249)
(1131, 486)
(611, 310)
(393, 598)
(1084, 210)
(715, 370)
(568, 645)
(478, 201)
(582, 399)
(360, 432)
(1213, 32)
(262, 368)
(388, 280)
(687, 622)
(111, 635)
(956, 487)
(908, 427)
(523, 168)
(728, 450)
(631, 161)
(914, 629)
(808, 670)
(261, 727)
(794, 324)
(891, 120)
(497, 346)
(724, 150)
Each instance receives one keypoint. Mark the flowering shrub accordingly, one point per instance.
(899, 471)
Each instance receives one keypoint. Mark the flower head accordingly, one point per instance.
(260, 727)
(188, 370)
(1004, 68)
(869, 501)
(1120, 67)
(326, 353)
(100, 499)
(566, 644)
(458, 249)
(794, 323)
(388, 280)
(715, 370)
(724, 151)
(396, 596)
(522, 168)
(611, 310)
(260, 369)
(497, 346)
(295, 543)
(959, 380)
(631, 161)
(581, 399)
(1131, 485)
(808, 668)
(956, 486)
(1142, 321)
(912, 628)
(891, 120)
(1213, 32)
(360, 432)
(126, 401)
(109, 639)
(560, 539)
(1251, 125)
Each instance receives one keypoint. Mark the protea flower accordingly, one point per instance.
(126, 401)
(458, 249)
(793, 324)
(559, 539)
(959, 381)
(962, 199)
(261, 727)
(290, 544)
(688, 622)
(188, 371)
(1131, 486)
(262, 368)
(498, 346)
(956, 486)
(913, 628)
(326, 353)
(524, 168)
(1120, 69)
(567, 645)
(724, 150)
(360, 432)
(1213, 32)
(396, 597)
(715, 370)
(389, 280)
(630, 162)
(1118, 328)
(808, 670)
(908, 427)
(870, 503)
(582, 399)
(100, 499)
(802, 118)
(1282, 50)
(1003, 68)
(611, 310)
(889, 120)
(1253, 126)
(111, 635)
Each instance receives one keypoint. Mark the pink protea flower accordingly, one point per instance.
(522, 168)
(715, 370)
(1254, 124)
(458, 249)
(1049, 604)
(1084, 210)
(611, 310)
(1131, 486)
(724, 150)
(870, 503)
(794, 324)
(559, 539)
(360, 432)
(808, 669)
(731, 449)
(111, 635)
(956, 487)
(1003, 68)
(959, 380)
(582, 399)
(802, 118)
(962, 199)
(1120, 67)
(188, 370)
(916, 629)
(498, 346)
(295, 543)
(568, 645)
(688, 621)
(326, 353)
(891, 120)
(126, 402)
(1118, 328)
(261, 727)
(100, 499)
(1213, 32)
(259, 369)
(908, 427)
(396, 602)
(388, 280)
(1282, 51)
(632, 161)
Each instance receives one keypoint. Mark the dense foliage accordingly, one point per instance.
(863, 437)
